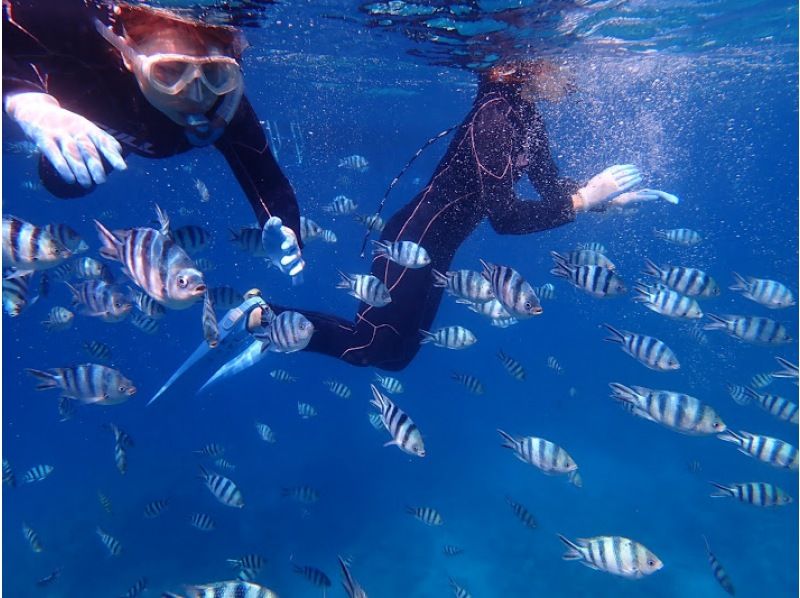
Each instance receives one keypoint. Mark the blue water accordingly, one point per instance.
(702, 96)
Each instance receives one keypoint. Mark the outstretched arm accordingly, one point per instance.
(245, 147)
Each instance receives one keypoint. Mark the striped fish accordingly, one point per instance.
(309, 230)
(255, 562)
(764, 448)
(613, 554)
(667, 302)
(249, 240)
(339, 389)
(145, 323)
(282, 376)
(759, 494)
(694, 466)
(366, 288)
(492, 309)
(761, 380)
(37, 473)
(788, 369)
(389, 384)
(751, 329)
(314, 575)
(64, 271)
(597, 281)
(738, 394)
(780, 407)
(305, 411)
(522, 513)
(375, 420)
(592, 246)
(289, 331)
(110, 542)
(122, 442)
(328, 236)
(154, 508)
(464, 284)
(512, 366)
(696, 332)
(105, 502)
(89, 268)
(99, 299)
(202, 191)
(154, 262)
(191, 238)
(450, 550)
(225, 297)
(677, 411)
(16, 294)
(88, 383)
(210, 327)
(503, 322)
(543, 454)
(372, 222)
(98, 350)
(32, 537)
(136, 589)
(341, 205)
(459, 591)
(687, 281)
(304, 494)
(224, 464)
(265, 432)
(59, 318)
(351, 586)
(405, 434)
(9, 479)
(547, 291)
(474, 385)
(27, 247)
(679, 236)
(67, 237)
(766, 292)
(225, 589)
(404, 253)
(584, 257)
(212, 449)
(202, 522)
(718, 571)
(148, 306)
(66, 409)
(553, 364)
(426, 515)
(450, 337)
(647, 350)
(355, 162)
(223, 489)
(48, 579)
(512, 291)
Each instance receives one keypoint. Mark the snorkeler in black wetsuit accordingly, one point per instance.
(502, 138)
(92, 81)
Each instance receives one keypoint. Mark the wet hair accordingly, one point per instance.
(140, 23)
(519, 71)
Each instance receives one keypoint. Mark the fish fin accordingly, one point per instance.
(439, 279)
(487, 269)
(234, 235)
(722, 491)
(46, 379)
(111, 242)
(717, 323)
(163, 221)
(752, 394)
(659, 234)
(427, 337)
(462, 301)
(508, 440)
(741, 283)
(391, 442)
(346, 281)
(624, 393)
(90, 400)
(379, 400)
(562, 271)
(729, 436)
(618, 337)
(651, 268)
(574, 552)
(15, 273)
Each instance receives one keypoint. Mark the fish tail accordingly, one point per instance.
(561, 270)
(46, 380)
(427, 337)
(111, 243)
(439, 279)
(203, 472)
(163, 220)
(659, 234)
(730, 436)
(624, 394)
(574, 552)
(345, 282)
(643, 292)
(722, 490)
(618, 337)
(751, 393)
(508, 440)
(381, 248)
(651, 268)
(234, 235)
(740, 284)
(378, 399)
(717, 323)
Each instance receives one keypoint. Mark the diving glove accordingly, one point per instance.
(280, 246)
(606, 186)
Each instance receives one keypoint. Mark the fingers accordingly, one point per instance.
(109, 147)
(72, 154)
(91, 158)
(53, 154)
(629, 181)
(668, 197)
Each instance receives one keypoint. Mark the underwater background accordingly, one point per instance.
(700, 95)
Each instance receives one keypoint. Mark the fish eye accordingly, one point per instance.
(651, 563)
(122, 389)
(182, 281)
(528, 305)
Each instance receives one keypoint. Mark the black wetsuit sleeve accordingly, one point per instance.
(246, 149)
(493, 134)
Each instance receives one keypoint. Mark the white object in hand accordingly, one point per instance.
(605, 186)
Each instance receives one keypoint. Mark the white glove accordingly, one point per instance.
(622, 200)
(70, 142)
(607, 185)
(280, 246)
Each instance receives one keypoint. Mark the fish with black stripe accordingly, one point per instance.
(105, 502)
(37, 473)
(191, 238)
(58, 318)
(687, 281)
(512, 366)
(16, 294)
(32, 537)
(223, 489)
(113, 545)
(547, 456)
(304, 494)
(404, 253)
(591, 246)
(289, 331)
(751, 329)
(223, 463)
(472, 384)
(225, 589)
(98, 350)
(9, 479)
(339, 388)
(145, 323)
(212, 449)
(314, 575)
(282, 376)
(738, 394)
(202, 522)
(527, 519)
(68, 237)
(372, 222)
(389, 384)
(464, 284)
(305, 410)
(89, 383)
(788, 369)
(249, 240)
(612, 554)
(355, 162)
(66, 409)
(450, 337)
(405, 434)
(427, 515)
(769, 293)
(89, 268)
(547, 291)
(667, 302)
(679, 236)
(249, 564)
(366, 288)
(309, 230)
(225, 297)
(341, 205)
(503, 322)
(584, 257)
(718, 571)
(777, 453)
(459, 591)
(136, 589)
(492, 309)
(762, 380)
(27, 247)
(597, 281)
(351, 586)
(154, 262)
(265, 432)
(759, 494)
(98, 299)
(647, 350)
(122, 442)
(677, 411)
(514, 293)
(776, 405)
(154, 508)
(553, 364)
(450, 550)
(148, 306)
(375, 420)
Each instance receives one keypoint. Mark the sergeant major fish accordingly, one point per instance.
(145, 323)
(366, 288)
(512, 291)
(389, 384)
(341, 205)
(404, 253)
(718, 571)
(338, 388)
(110, 542)
(584, 257)
(776, 405)
(225, 589)
(450, 337)
(769, 293)
(759, 494)
(16, 294)
(99, 299)
(223, 489)
(667, 302)
(351, 586)
(372, 222)
(679, 236)
(647, 350)
(426, 515)
(472, 384)
(59, 318)
(464, 284)
(68, 238)
(210, 327)
(249, 239)
(37, 473)
(751, 329)
(27, 247)
(764, 448)
(304, 494)
(88, 383)
(32, 537)
(405, 434)
(597, 281)
(613, 554)
(512, 366)
(289, 331)
(191, 238)
(550, 458)
(522, 513)
(687, 281)
(355, 162)
(314, 575)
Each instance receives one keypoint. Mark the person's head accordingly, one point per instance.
(536, 80)
(182, 66)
